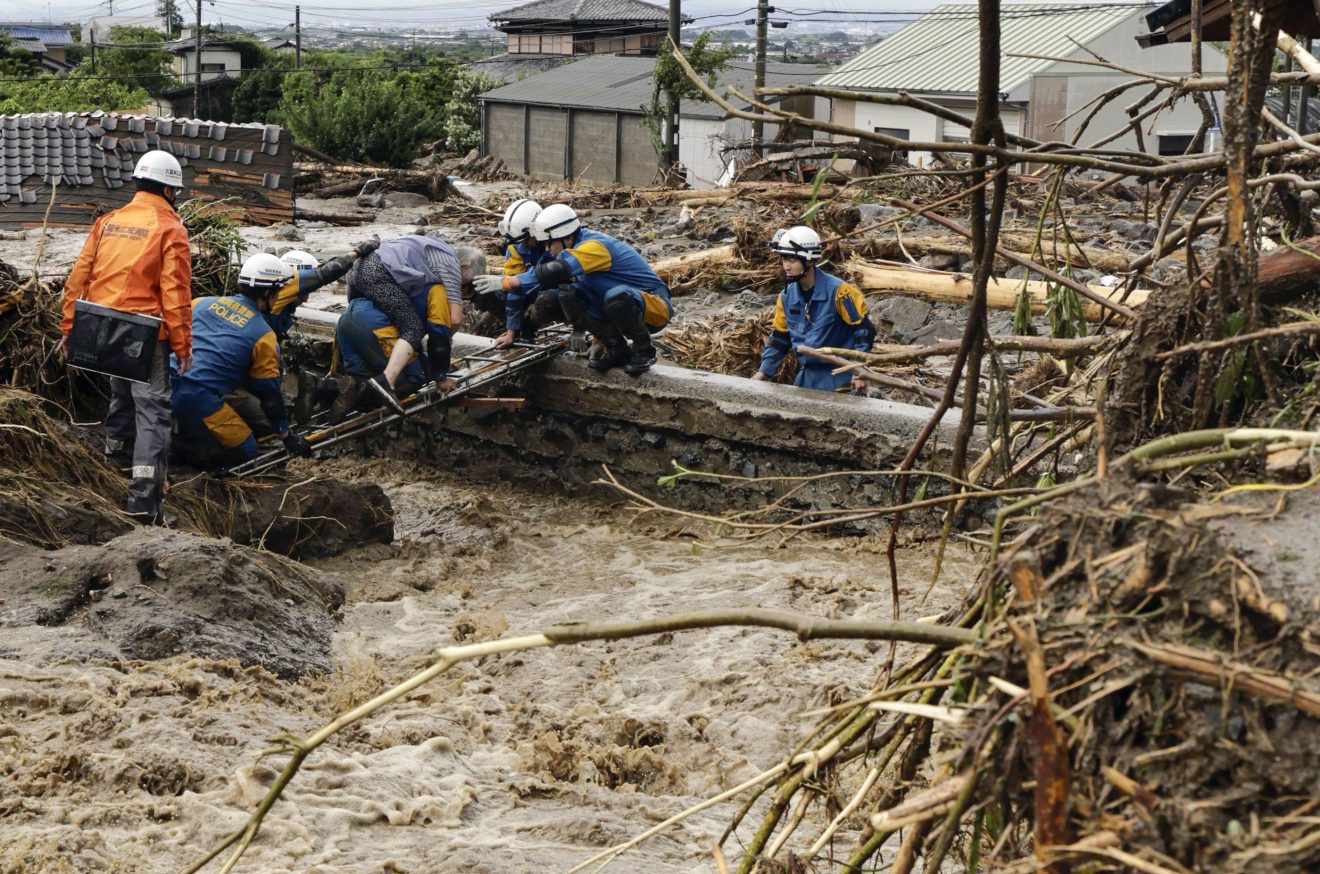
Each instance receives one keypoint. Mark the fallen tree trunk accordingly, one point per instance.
(1287, 273)
(1002, 293)
(1020, 244)
(667, 267)
(343, 219)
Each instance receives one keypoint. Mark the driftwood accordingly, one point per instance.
(343, 219)
(1001, 294)
(690, 261)
(1020, 243)
(1285, 274)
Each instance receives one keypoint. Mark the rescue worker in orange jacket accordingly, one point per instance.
(136, 260)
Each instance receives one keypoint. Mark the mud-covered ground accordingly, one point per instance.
(528, 762)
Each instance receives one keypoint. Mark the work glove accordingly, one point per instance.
(487, 284)
(366, 247)
(297, 445)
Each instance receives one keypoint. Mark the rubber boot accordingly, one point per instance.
(627, 319)
(614, 351)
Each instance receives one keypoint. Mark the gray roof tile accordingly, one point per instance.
(623, 83)
(583, 10)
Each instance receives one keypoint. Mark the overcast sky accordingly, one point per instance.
(454, 13)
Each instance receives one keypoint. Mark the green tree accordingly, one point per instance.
(134, 53)
(257, 97)
(359, 114)
(70, 93)
(706, 61)
(169, 10)
(15, 61)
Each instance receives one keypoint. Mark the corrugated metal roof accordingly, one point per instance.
(51, 35)
(583, 10)
(938, 52)
(623, 83)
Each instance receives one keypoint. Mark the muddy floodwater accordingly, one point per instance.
(529, 762)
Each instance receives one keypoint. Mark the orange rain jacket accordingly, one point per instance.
(136, 259)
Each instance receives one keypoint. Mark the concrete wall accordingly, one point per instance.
(595, 142)
(545, 148)
(603, 146)
(503, 132)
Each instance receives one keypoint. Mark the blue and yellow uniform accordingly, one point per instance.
(285, 301)
(605, 270)
(833, 314)
(519, 259)
(365, 337)
(233, 348)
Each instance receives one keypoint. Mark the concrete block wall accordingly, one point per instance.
(605, 146)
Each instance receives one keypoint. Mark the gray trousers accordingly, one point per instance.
(139, 418)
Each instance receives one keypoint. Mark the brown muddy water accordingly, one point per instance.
(529, 762)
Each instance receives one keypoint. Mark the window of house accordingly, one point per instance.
(212, 68)
(898, 133)
(1174, 144)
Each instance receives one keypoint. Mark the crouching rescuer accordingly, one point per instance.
(602, 285)
(816, 309)
(410, 289)
(234, 347)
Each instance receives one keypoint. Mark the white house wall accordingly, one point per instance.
(1119, 45)
(921, 126)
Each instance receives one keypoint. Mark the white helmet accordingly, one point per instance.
(798, 242)
(298, 259)
(554, 222)
(159, 167)
(264, 273)
(518, 218)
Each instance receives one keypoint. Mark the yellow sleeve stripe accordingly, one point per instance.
(437, 306)
(513, 263)
(781, 320)
(593, 256)
(285, 297)
(266, 357)
(850, 303)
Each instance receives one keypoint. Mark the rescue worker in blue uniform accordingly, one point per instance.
(415, 284)
(308, 276)
(816, 309)
(528, 307)
(364, 338)
(605, 287)
(234, 347)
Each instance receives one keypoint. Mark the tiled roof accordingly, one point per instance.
(51, 35)
(509, 68)
(101, 149)
(27, 43)
(623, 83)
(937, 52)
(583, 10)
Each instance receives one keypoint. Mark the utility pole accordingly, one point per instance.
(297, 37)
(763, 10)
(671, 134)
(197, 62)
